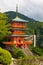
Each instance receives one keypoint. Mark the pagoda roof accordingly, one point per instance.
(20, 35)
(19, 29)
(19, 20)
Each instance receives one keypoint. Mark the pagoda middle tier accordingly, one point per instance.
(16, 27)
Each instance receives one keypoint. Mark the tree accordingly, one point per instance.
(4, 26)
(5, 57)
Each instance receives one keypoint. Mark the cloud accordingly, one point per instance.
(30, 8)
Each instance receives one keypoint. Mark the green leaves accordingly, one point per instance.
(4, 25)
(38, 51)
(5, 57)
(17, 53)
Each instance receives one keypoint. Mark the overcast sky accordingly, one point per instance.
(30, 8)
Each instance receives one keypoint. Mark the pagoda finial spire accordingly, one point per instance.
(16, 10)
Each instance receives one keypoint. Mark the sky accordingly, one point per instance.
(31, 8)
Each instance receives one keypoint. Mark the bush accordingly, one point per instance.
(17, 53)
(20, 54)
(38, 51)
(31, 60)
(5, 57)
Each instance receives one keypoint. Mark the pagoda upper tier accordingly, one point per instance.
(17, 19)
(18, 23)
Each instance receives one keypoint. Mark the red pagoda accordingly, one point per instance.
(18, 28)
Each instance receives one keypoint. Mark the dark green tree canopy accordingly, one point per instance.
(4, 25)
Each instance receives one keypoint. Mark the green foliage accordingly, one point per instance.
(4, 26)
(38, 51)
(5, 57)
(20, 54)
(17, 53)
(40, 41)
(31, 60)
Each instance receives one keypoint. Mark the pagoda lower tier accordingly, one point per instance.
(18, 40)
(10, 43)
(17, 44)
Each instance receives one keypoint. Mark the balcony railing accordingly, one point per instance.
(10, 43)
(18, 26)
(18, 32)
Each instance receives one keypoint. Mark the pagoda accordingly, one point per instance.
(18, 28)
